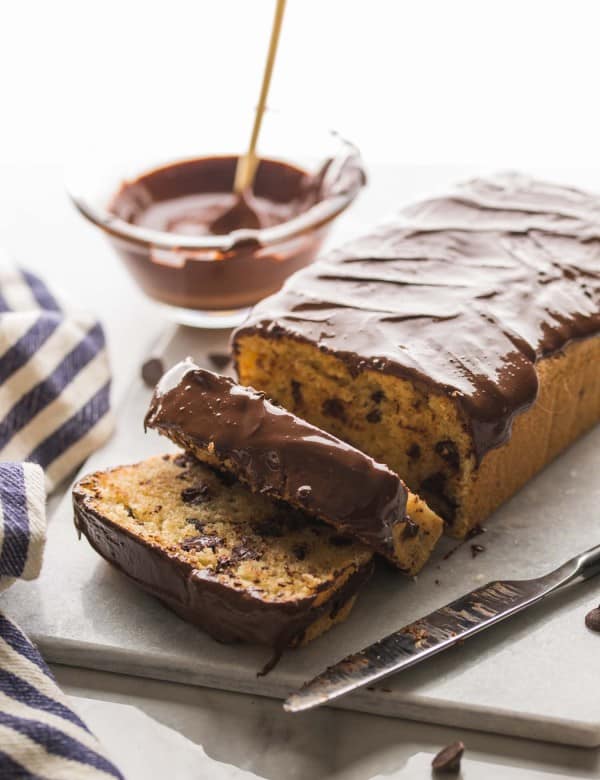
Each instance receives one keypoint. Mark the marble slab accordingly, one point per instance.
(535, 676)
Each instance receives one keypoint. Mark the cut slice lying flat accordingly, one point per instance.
(238, 565)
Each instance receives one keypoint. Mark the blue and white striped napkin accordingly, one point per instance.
(54, 411)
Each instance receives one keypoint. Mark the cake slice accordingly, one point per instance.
(276, 453)
(240, 566)
(459, 344)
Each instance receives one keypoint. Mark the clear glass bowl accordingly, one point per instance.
(212, 280)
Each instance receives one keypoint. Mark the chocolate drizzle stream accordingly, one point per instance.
(277, 453)
(463, 294)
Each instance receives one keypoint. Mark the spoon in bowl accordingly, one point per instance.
(242, 214)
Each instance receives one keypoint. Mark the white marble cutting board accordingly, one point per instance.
(535, 676)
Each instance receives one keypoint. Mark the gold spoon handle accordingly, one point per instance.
(246, 165)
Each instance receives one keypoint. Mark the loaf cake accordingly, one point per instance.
(278, 454)
(240, 566)
(458, 343)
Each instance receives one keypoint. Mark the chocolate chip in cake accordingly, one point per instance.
(226, 478)
(296, 392)
(198, 524)
(448, 451)
(414, 451)
(196, 494)
(268, 528)
(303, 493)
(242, 553)
(448, 759)
(129, 511)
(200, 542)
(339, 540)
(179, 460)
(273, 462)
(378, 396)
(242, 457)
(299, 551)
(334, 407)
(433, 488)
(374, 416)
(592, 619)
(476, 549)
(410, 529)
(220, 360)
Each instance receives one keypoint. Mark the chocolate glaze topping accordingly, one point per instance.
(194, 197)
(277, 453)
(462, 293)
(226, 614)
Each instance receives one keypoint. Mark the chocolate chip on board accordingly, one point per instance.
(592, 619)
(220, 360)
(448, 759)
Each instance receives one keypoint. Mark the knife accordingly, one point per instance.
(457, 621)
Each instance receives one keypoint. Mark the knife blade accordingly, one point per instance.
(444, 628)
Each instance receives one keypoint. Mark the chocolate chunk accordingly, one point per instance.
(414, 451)
(220, 360)
(198, 524)
(272, 458)
(338, 540)
(200, 542)
(225, 477)
(129, 511)
(433, 487)
(299, 551)
(296, 392)
(268, 528)
(476, 549)
(303, 493)
(448, 759)
(242, 553)
(196, 494)
(374, 416)
(180, 460)
(448, 451)
(152, 370)
(333, 407)
(592, 619)
(410, 529)
(378, 396)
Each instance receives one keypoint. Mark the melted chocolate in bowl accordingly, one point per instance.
(195, 198)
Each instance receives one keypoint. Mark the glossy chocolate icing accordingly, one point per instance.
(462, 293)
(226, 614)
(277, 453)
(192, 197)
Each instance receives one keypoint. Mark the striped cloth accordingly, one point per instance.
(54, 407)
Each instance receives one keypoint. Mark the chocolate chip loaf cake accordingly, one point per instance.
(238, 565)
(278, 454)
(459, 344)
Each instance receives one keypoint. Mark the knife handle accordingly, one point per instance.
(589, 563)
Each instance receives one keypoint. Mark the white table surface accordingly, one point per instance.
(241, 736)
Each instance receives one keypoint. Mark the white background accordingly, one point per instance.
(498, 82)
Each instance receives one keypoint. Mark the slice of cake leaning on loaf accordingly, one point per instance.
(459, 344)
(276, 453)
(240, 566)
